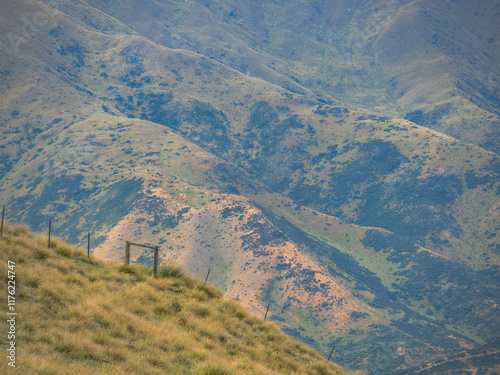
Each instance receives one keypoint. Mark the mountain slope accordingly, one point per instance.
(359, 228)
(78, 314)
(426, 60)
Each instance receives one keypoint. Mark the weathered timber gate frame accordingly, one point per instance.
(127, 253)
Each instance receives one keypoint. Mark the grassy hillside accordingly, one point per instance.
(80, 315)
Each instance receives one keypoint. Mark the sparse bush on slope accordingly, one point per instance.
(82, 316)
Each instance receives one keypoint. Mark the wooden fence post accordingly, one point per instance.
(50, 225)
(155, 263)
(127, 252)
(88, 245)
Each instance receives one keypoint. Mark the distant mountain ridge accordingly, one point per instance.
(430, 61)
(338, 203)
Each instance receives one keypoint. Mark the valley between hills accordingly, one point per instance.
(337, 162)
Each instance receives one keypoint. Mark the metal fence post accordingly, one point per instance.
(206, 279)
(267, 310)
(3, 212)
(330, 356)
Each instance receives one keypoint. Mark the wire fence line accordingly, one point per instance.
(127, 258)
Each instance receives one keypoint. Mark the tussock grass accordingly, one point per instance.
(83, 316)
(170, 271)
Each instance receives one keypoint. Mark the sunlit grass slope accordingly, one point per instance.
(82, 316)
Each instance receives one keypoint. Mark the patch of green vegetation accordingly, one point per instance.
(414, 207)
(430, 118)
(200, 122)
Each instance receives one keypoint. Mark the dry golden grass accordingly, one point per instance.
(83, 316)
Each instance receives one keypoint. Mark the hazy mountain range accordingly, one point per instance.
(336, 159)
